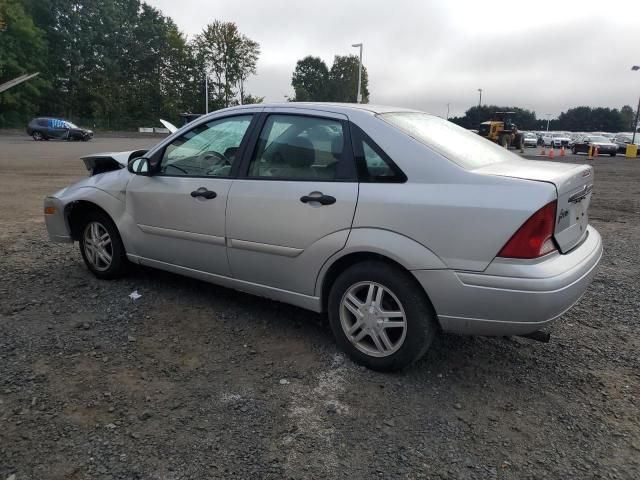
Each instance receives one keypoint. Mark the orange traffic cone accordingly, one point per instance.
(562, 153)
(552, 153)
(595, 154)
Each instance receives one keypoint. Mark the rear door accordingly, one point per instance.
(295, 204)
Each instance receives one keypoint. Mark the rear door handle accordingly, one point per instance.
(321, 199)
(204, 193)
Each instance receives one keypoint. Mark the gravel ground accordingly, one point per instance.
(193, 381)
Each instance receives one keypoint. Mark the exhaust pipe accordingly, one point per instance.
(538, 336)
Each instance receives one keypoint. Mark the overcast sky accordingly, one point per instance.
(543, 55)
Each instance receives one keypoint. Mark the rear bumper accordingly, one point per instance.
(512, 296)
(57, 222)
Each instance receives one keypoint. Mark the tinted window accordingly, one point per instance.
(298, 148)
(209, 150)
(462, 147)
(42, 122)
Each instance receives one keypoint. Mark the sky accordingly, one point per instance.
(546, 56)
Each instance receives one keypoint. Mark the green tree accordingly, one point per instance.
(343, 78)
(21, 51)
(628, 116)
(310, 80)
(229, 58)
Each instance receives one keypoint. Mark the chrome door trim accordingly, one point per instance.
(264, 248)
(195, 237)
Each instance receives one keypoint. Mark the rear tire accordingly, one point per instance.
(101, 246)
(380, 316)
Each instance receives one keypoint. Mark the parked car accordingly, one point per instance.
(624, 139)
(559, 140)
(605, 147)
(45, 128)
(397, 223)
(530, 139)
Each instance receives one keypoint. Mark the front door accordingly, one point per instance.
(294, 206)
(180, 211)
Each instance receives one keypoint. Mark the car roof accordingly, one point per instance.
(343, 108)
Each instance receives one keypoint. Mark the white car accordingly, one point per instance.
(530, 139)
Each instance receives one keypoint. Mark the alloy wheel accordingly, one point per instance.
(373, 319)
(97, 246)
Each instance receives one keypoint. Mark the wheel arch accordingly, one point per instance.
(76, 211)
(379, 245)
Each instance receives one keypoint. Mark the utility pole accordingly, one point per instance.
(548, 115)
(359, 95)
(480, 100)
(448, 110)
(635, 68)
(206, 92)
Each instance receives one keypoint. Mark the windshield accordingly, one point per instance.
(71, 125)
(597, 138)
(559, 135)
(530, 135)
(467, 149)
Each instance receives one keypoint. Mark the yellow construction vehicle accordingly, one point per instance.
(502, 131)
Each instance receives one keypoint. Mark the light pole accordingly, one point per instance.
(206, 92)
(548, 115)
(635, 68)
(480, 99)
(448, 110)
(359, 96)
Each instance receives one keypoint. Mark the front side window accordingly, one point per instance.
(294, 147)
(208, 150)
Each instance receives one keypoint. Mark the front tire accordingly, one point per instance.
(101, 246)
(380, 316)
(612, 154)
(37, 136)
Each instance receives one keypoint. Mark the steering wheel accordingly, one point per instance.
(214, 159)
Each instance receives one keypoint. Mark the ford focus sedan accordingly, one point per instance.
(396, 223)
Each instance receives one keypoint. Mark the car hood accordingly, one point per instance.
(104, 162)
(605, 144)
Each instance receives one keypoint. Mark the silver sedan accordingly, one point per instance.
(396, 223)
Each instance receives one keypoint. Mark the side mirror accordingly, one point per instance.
(139, 166)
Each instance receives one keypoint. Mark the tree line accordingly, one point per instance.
(116, 63)
(314, 81)
(578, 119)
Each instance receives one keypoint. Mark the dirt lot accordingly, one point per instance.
(193, 381)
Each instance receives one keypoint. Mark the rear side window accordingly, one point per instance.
(295, 147)
(373, 164)
(42, 122)
(467, 149)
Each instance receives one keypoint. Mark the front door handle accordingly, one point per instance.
(321, 199)
(204, 193)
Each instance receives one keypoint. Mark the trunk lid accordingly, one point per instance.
(574, 184)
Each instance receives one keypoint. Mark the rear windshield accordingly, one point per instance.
(467, 149)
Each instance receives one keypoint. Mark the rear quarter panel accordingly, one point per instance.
(463, 217)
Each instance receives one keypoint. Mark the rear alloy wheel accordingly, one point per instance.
(380, 317)
(101, 247)
(37, 136)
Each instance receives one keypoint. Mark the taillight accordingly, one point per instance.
(535, 237)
